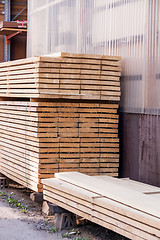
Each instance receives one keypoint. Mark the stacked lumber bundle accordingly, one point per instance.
(38, 139)
(124, 206)
(64, 75)
(8, 28)
(53, 119)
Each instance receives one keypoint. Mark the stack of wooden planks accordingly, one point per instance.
(69, 76)
(38, 139)
(8, 28)
(124, 206)
(53, 117)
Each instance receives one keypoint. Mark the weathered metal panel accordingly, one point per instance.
(129, 145)
(140, 147)
(149, 149)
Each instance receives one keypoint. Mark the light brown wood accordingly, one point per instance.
(101, 213)
(101, 209)
(57, 130)
(140, 202)
(79, 145)
(62, 77)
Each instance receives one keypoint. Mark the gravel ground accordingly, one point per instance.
(21, 218)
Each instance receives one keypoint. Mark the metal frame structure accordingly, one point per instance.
(7, 39)
(7, 17)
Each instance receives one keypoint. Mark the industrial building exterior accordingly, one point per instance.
(127, 28)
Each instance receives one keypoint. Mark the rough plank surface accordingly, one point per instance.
(103, 203)
(38, 139)
(70, 76)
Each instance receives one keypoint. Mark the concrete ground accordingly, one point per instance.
(33, 225)
(13, 227)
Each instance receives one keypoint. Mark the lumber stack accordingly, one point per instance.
(49, 123)
(8, 28)
(69, 76)
(40, 138)
(124, 206)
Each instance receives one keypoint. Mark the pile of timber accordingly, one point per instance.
(38, 139)
(17, 25)
(69, 76)
(9, 28)
(49, 123)
(124, 206)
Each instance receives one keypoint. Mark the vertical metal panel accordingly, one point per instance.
(128, 28)
(1, 37)
(129, 145)
(149, 149)
(140, 147)
(7, 17)
(7, 10)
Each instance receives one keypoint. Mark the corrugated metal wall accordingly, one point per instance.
(140, 147)
(130, 28)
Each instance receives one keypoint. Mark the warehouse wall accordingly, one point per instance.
(18, 43)
(140, 151)
(129, 28)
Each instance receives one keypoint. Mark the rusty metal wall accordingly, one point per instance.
(149, 149)
(140, 147)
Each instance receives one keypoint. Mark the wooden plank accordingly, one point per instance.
(89, 56)
(101, 213)
(11, 132)
(32, 162)
(20, 62)
(14, 163)
(105, 203)
(132, 199)
(29, 184)
(26, 176)
(70, 60)
(95, 220)
(24, 144)
(62, 77)
(79, 64)
(31, 121)
(16, 154)
(19, 154)
(28, 131)
(125, 182)
(94, 170)
(100, 160)
(39, 124)
(18, 67)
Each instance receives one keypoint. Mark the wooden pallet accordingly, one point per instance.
(69, 76)
(8, 28)
(124, 206)
(38, 139)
